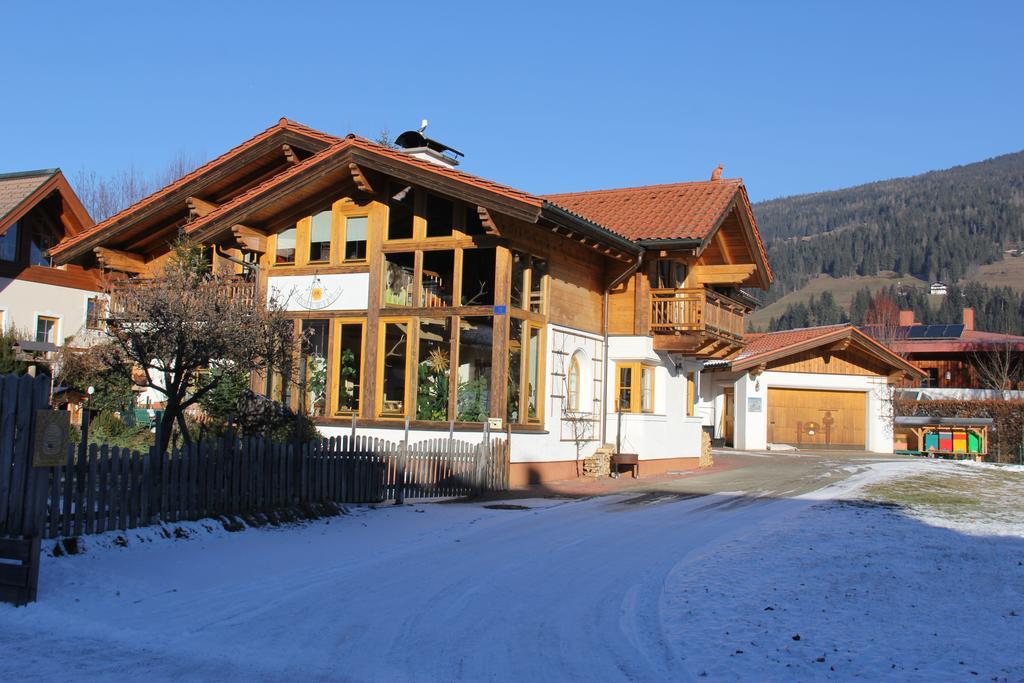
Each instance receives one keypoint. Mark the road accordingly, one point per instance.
(561, 590)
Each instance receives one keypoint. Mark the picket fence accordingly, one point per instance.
(103, 488)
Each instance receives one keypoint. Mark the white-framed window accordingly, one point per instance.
(3, 320)
(47, 329)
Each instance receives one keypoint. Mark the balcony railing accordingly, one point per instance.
(697, 310)
(124, 299)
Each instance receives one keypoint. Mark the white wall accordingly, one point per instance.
(23, 301)
(751, 428)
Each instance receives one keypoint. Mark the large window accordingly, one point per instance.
(478, 277)
(476, 341)
(440, 216)
(525, 372)
(438, 278)
(285, 252)
(313, 367)
(434, 370)
(356, 230)
(529, 279)
(394, 351)
(9, 244)
(401, 205)
(320, 236)
(46, 329)
(634, 388)
(349, 369)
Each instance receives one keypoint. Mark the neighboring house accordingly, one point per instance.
(957, 356)
(45, 303)
(818, 386)
(433, 295)
(938, 288)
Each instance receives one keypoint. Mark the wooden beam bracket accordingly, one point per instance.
(121, 261)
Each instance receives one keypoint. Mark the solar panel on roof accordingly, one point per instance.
(917, 331)
(954, 331)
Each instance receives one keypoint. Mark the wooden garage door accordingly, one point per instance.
(813, 417)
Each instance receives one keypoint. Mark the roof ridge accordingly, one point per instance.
(29, 174)
(641, 188)
(282, 124)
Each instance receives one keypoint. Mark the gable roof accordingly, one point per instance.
(21, 191)
(656, 212)
(765, 348)
(282, 126)
(675, 211)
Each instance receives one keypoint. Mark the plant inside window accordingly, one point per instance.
(476, 340)
(350, 362)
(432, 386)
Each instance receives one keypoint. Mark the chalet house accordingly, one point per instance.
(46, 302)
(957, 356)
(437, 296)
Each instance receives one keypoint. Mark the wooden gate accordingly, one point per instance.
(22, 487)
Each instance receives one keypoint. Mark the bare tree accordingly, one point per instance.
(882, 320)
(103, 196)
(998, 367)
(183, 331)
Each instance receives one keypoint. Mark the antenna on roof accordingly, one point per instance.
(423, 126)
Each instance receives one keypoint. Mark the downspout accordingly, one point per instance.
(604, 366)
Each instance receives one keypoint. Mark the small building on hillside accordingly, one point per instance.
(816, 387)
(957, 356)
(938, 289)
(43, 302)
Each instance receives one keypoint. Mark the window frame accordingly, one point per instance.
(56, 328)
(332, 236)
(335, 350)
(522, 381)
(91, 322)
(379, 390)
(636, 386)
(296, 226)
(573, 383)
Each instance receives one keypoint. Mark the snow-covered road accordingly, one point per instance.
(597, 589)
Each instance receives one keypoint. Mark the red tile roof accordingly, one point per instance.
(761, 344)
(653, 212)
(282, 124)
(658, 212)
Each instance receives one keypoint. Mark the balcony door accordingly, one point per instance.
(669, 274)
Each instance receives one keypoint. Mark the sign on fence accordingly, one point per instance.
(53, 434)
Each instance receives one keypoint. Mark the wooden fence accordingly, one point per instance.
(103, 488)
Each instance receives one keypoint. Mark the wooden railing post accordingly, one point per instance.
(403, 456)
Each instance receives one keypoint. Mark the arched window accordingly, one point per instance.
(573, 382)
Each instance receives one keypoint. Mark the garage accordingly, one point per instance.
(811, 388)
(817, 417)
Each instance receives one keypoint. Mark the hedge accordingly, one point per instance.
(1004, 437)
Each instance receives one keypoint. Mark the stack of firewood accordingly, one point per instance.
(600, 463)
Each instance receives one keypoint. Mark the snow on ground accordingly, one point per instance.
(642, 586)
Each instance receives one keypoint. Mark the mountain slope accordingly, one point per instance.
(941, 225)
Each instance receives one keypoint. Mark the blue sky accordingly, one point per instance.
(548, 97)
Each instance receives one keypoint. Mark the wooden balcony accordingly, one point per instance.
(697, 321)
(124, 297)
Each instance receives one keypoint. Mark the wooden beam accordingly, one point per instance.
(250, 239)
(487, 220)
(722, 247)
(360, 178)
(289, 154)
(720, 275)
(121, 261)
(840, 345)
(197, 208)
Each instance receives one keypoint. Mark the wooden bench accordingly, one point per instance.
(631, 460)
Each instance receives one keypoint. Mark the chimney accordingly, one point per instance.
(906, 318)
(969, 319)
(415, 143)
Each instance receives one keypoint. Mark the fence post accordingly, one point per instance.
(403, 455)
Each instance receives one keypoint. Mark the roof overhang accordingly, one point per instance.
(856, 338)
(75, 217)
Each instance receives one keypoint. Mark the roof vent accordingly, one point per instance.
(417, 144)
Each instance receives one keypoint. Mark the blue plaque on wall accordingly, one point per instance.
(499, 310)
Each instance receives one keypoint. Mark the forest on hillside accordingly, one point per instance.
(936, 226)
(996, 309)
